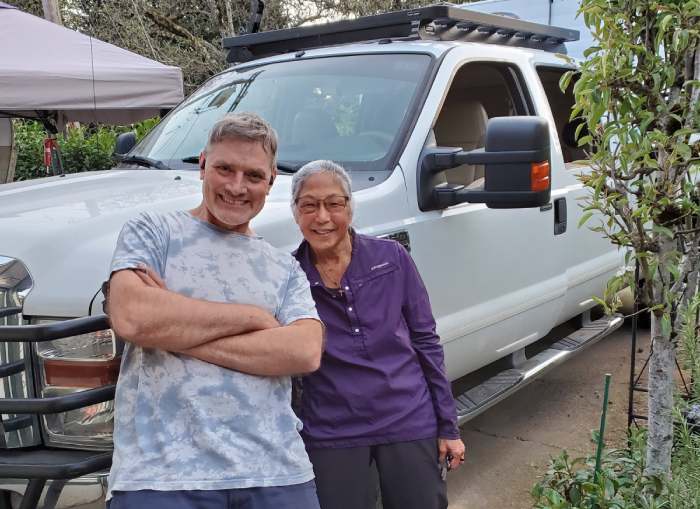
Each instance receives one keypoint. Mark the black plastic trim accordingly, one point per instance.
(21, 422)
(57, 404)
(15, 310)
(56, 330)
(47, 463)
(11, 368)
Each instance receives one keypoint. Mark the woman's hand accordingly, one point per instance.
(452, 448)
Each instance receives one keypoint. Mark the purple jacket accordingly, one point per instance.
(382, 376)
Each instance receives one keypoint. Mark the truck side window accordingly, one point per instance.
(478, 92)
(561, 104)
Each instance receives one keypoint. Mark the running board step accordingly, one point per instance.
(483, 396)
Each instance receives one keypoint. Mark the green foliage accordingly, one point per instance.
(29, 138)
(83, 148)
(571, 483)
(638, 95)
(638, 98)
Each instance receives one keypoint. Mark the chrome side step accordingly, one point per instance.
(483, 396)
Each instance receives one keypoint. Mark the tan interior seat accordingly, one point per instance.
(462, 123)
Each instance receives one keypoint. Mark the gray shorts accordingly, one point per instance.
(295, 496)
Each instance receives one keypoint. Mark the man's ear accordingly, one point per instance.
(273, 175)
(202, 163)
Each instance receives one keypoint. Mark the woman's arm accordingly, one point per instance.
(418, 314)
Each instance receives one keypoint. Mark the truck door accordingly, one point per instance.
(591, 260)
(494, 279)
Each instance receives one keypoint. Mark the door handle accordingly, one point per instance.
(559, 216)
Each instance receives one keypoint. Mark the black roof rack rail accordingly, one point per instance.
(435, 22)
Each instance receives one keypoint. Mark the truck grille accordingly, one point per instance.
(16, 373)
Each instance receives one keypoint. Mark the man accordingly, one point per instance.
(215, 320)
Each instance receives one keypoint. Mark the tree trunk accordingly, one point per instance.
(661, 384)
(51, 11)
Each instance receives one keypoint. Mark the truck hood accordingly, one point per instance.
(64, 228)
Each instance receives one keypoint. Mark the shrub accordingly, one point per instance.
(572, 484)
(83, 148)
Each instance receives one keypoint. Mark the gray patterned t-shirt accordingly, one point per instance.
(184, 424)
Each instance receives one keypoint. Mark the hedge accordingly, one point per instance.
(83, 148)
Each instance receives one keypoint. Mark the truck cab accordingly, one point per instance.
(459, 145)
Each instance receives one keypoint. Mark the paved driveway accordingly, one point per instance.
(509, 445)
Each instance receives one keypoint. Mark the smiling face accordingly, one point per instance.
(325, 230)
(236, 175)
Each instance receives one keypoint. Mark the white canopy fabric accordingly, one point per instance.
(45, 67)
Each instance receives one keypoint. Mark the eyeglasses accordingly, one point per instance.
(333, 204)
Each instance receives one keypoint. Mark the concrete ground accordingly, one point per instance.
(509, 445)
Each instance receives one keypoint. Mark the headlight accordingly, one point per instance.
(74, 364)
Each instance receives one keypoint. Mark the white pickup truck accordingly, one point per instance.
(457, 137)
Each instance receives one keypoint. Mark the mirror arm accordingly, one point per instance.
(454, 195)
(444, 158)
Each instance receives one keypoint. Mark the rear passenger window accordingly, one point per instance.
(561, 103)
(479, 91)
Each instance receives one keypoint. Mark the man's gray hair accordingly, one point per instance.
(244, 126)
(322, 166)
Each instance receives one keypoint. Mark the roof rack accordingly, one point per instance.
(435, 22)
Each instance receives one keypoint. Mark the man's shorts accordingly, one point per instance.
(296, 496)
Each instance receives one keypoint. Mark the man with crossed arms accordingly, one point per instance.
(216, 320)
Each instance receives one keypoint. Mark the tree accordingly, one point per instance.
(643, 80)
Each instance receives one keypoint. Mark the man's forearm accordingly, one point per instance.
(289, 350)
(158, 318)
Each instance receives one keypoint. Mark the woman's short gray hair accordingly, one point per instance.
(244, 126)
(322, 166)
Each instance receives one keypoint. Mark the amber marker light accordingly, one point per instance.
(81, 373)
(539, 176)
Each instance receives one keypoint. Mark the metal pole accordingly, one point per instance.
(601, 430)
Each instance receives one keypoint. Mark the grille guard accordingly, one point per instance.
(38, 464)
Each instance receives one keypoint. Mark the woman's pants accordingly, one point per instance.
(409, 476)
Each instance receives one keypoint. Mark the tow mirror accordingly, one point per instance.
(516, 159)
(125, 142)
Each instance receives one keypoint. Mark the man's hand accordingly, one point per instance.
(452, 448)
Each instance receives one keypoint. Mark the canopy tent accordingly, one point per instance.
(48, 71)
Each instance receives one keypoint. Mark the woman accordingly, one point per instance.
(381, 394)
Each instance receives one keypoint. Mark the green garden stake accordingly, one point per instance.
(601, 430)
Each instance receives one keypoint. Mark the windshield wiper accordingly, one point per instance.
(287, 167)
(281, 165)
(148, 162)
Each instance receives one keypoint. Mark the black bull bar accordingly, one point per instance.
(38, 464)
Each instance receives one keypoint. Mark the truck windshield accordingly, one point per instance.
(345, 108)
